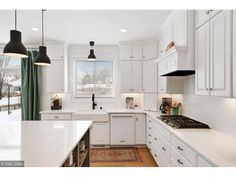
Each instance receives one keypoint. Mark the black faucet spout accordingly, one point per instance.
(93, 100)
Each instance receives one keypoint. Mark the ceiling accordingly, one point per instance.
(81, 26)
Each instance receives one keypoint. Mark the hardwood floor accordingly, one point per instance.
(147, 161)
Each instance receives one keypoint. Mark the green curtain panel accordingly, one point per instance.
(30, 92)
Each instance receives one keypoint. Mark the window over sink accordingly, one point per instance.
(93, 77)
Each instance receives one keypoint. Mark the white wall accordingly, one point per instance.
(68, 101)
(217, 112)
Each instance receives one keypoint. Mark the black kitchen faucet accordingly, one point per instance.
(93, 100)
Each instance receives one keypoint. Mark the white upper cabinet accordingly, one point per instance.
(55, 77)
(234, 53)
(202, 16)
(213, 56)
(55, 52)
(125, 52)
(131, 76)
(57, 74)
(220, 54)
(202, 60)
(149, 76)
(136, 76)
(131, 52)
(136, 52)
(126, 77)
(150, 51)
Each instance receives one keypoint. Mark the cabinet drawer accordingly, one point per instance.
(164, 132)
(161, 162)
(179, 159)
(202, 162)
(162, 145)
(185, 151)
(173, 163)
(56, 116)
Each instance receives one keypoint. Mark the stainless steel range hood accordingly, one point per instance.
(176, 62)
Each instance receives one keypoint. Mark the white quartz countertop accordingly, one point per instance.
(219, 148)
(40, 143)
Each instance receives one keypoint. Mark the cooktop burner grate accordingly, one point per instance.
(178, 121)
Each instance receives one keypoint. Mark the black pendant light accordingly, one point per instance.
(42, 59)
(91, 56)
(15, 48)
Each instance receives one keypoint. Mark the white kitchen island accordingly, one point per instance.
(45, 143)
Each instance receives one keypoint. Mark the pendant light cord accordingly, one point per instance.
(15, 19)
(42, 28)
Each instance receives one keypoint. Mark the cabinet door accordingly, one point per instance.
(55, 52)
(150, 101)
(136, 52)
(161, 46)
(234, 53)
(122, 129)
(202, 47)
(220, 56)
(100, 133)
(126, 81)
(136, 76)
(125, 52)
(55, 76)
(140, 130)
(150, 51)
(149, 76)
(201, 16)
(162, 83)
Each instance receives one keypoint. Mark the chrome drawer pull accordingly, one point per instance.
(180, 148)
(56, 117)
(155, 138)
(179, 161)
(163, 148)
(122, 141)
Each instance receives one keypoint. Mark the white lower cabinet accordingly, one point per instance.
(179, 159)
(202, 162)
(168, 150)
(100, 133)
(140, 129)
(122, 129)
(56, 116)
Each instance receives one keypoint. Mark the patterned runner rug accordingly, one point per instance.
(115, 155)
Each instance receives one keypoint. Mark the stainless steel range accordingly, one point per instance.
(178, 121)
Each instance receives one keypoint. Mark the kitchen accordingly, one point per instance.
(161, 89)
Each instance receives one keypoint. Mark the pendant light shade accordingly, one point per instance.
(42, 59)
(15, 48)
(91, 56)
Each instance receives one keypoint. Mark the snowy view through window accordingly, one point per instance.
(10, 88)
(94, 77)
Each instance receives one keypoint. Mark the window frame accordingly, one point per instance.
(74, 77)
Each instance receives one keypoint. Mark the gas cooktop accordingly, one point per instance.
(178, 121)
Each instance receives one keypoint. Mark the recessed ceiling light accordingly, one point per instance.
(123, 30)
(35, 29)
